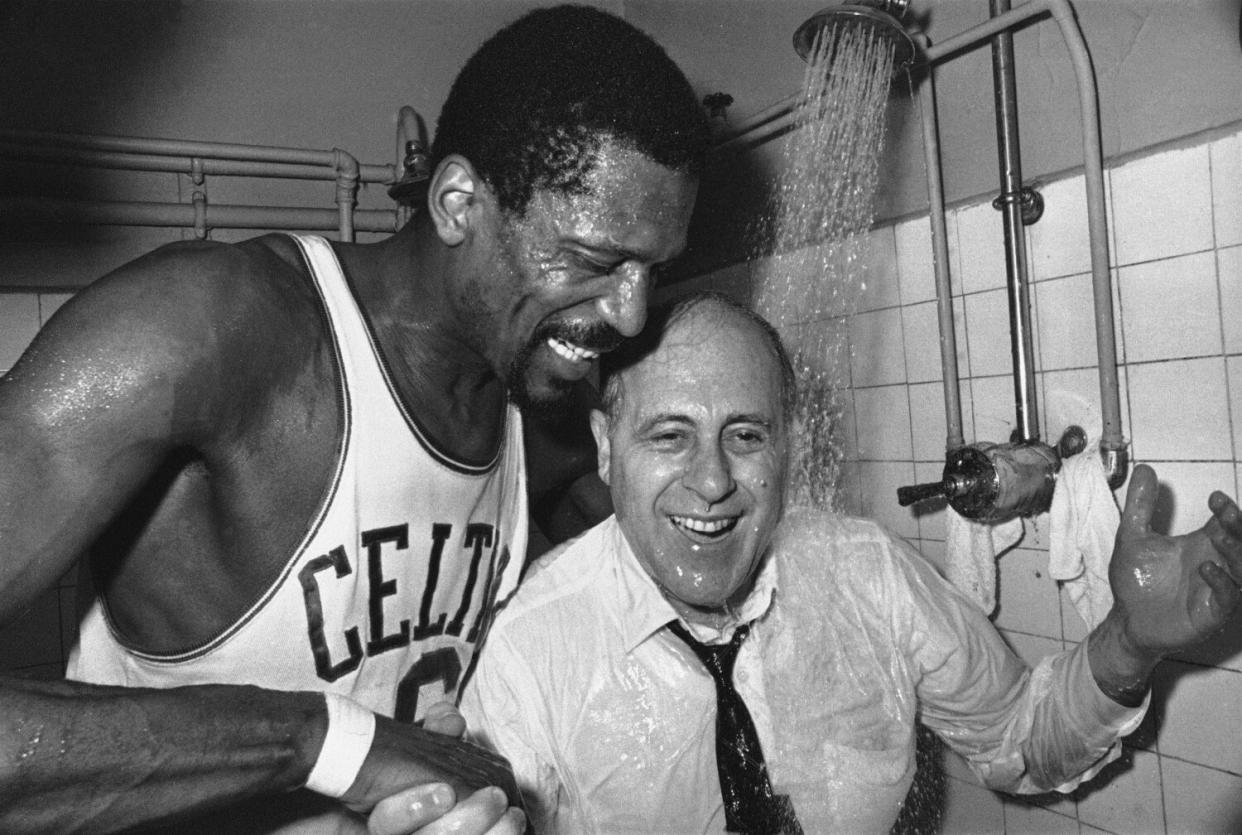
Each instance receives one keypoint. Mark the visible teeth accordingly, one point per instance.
(704, 526)
(571, 352)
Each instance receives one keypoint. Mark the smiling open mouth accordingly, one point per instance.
(708, 528)
(570, 351)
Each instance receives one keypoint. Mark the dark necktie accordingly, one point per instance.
(750, 806)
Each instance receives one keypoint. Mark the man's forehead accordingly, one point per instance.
(695, 414)
(692, 376)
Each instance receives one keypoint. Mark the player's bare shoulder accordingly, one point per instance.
(256, 305)
(255, 296)
(208, 334)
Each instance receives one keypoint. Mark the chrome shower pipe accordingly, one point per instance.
(344, 168)
(1112, 443)
(1017, 274)
(940, 260)
(782, 116)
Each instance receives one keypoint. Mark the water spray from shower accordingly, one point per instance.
(817, 225)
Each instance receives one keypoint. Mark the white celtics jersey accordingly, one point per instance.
(387, 596)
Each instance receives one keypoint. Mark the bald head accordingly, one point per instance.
(698, 314)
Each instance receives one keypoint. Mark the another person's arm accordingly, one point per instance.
(1020, 730)
(1056, 726)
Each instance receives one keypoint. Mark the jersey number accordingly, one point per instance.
(442, 665)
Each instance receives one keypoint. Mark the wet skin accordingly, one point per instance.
(1174, 591)
(695, 460)
(570, 276)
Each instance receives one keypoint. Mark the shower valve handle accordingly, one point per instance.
(915, 493)
(951, 486)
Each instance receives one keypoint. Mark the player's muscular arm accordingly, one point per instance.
(160, 357)
(86, 758)
(136, 366)
(77, 757)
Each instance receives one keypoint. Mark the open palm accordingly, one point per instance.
(1174, 591)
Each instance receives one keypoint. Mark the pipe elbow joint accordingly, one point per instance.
(347, 168)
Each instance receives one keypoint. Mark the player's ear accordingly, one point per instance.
(603, 449)
(453, 198)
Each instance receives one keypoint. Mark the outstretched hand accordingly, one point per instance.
(1172, 592)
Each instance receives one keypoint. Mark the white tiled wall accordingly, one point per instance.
(1176, 244)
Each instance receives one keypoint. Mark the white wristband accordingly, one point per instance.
(351, 727)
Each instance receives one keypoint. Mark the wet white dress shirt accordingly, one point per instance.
(609, 720)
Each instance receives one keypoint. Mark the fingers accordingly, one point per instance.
(1141, 498)
(1226, 514)
(485, 812)
(407, 811)
(1224, 530)
(1225, 594)
(444, 718)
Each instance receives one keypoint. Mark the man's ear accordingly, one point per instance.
(451, 196)
(599, 428)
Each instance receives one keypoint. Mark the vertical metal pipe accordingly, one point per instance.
(1112, 442)
(1017, 284)
(940, 253)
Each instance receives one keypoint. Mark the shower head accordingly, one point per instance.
(876, 17)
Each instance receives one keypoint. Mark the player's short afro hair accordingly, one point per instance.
(531, 107)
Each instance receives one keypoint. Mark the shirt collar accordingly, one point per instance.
(645, 610)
